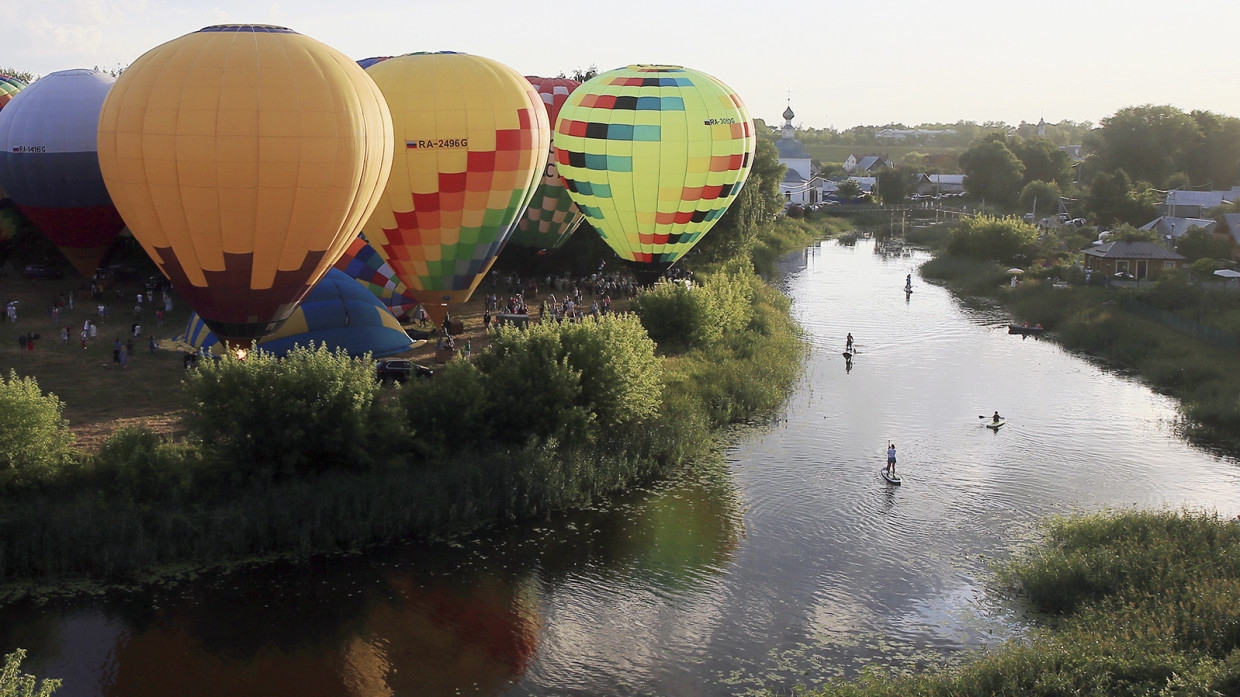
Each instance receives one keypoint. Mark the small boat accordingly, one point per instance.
(994, 425)
(1024, 329)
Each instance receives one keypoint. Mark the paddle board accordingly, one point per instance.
(891, 478)
(994, 425)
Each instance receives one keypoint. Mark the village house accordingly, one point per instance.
(867, 164)
(1131, 260)
(1170, 229)
(931, 184)
(1186, 203)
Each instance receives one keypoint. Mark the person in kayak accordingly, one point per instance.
(997, 417)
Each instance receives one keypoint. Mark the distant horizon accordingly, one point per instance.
(847, 67)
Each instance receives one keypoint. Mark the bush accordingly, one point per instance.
(14, 684)
(143, 468)
(268, 418)
(36, 444)
(679, 316)
(988, 238)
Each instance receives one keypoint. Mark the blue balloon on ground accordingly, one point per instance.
(338, 311)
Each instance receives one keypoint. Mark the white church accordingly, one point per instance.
(800, 185)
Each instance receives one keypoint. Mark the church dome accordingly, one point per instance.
(788, 114)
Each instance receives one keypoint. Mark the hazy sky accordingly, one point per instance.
(845, 63)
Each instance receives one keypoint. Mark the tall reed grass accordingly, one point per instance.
(1132, 603)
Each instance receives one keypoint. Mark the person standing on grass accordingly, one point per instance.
(116, 350)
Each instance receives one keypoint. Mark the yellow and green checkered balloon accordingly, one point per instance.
(653, 155)
(471, 142)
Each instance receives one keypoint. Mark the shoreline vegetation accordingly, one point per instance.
(541, 420)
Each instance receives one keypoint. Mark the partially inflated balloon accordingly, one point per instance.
(338, 312)
(50, 167)
(363, 263)
(653, 155)
(471, 139)
(244, 159)
(552, 216)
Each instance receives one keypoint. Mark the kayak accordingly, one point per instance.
(994, 425)
(891, 478)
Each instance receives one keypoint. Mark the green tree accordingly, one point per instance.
(533, 392)
(1148, 142)
(36, 444)
(13, 683)
(24, 75)
(1043, 161)
(1130, 233)
(1044, 196)
(752, 212)
(1112, 198)
(992, 171)
(680, 317)
(848, 190)
(272, 418)
(988, 238)
(1197, 243)
(894, 184)
(621, 377)
(1215, 157)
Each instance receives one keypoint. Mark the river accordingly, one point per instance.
(790, 561)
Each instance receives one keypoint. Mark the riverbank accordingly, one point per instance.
(1133, 603)
(1104, 325)
(145, 503)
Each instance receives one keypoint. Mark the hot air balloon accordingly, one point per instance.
(363, 264)
(653, 155)
(9, 86)
(552, 216)
(50, 168)
(367, 62)
(338, 311)
(244, 159)
(470, 144)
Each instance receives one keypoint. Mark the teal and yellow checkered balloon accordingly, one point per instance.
(653, 155)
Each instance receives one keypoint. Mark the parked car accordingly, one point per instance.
(33, 271)
(392, 370)
(118, 272)
(154, 284)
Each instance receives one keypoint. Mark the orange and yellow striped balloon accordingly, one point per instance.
(244, 159)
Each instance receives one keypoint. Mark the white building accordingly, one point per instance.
(799, 184)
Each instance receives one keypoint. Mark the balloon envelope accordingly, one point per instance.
(49, 163)
(363, 264)
(244, 159)
(9, 86)
(470, 143)
(653, 155)
(552, 216)
(338, 311)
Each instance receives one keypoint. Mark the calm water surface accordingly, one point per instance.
(789, 562)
